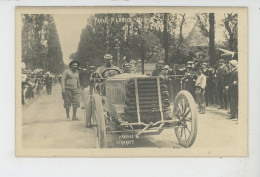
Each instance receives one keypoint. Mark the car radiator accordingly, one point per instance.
(147, 97)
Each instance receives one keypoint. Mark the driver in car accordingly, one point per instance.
(108, 69)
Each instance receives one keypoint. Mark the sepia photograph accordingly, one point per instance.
(131, 81)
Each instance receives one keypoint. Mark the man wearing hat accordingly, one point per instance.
(108, 69)
(159, 71)
(232, 86)
(70, 88)
(222, 74)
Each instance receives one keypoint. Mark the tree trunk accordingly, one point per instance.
(212, 38)
(142, 51)
(181, 25)
(231, 36)
(165, 37)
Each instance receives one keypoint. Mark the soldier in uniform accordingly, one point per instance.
(232, 86)
(222, 74)
(159, 71)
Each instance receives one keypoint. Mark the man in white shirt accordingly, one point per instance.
(200, 90)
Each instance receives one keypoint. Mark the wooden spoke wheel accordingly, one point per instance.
(186, 115)
(88, 107)
(99, 117)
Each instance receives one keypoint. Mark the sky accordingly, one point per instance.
(219, 30)
(69, 27)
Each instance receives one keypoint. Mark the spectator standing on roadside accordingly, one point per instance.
(84, 76)
(200, 90)
(189, 79)
(232, 86)
(70, 88)
(222, 74)
(39, 84)
(59, 78)
(48, 83)
(206, 72)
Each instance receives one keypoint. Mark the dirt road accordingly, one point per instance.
(45, 126)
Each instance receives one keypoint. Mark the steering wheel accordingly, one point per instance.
(110, 74)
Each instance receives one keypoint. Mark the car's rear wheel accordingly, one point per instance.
(88, 107)
(99, 116)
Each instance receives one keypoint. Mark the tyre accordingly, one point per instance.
(99, 116)
(88, 107)
(185, 112)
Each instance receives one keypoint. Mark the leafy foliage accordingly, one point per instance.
(230, 23)
(148, 37)
(40, 43)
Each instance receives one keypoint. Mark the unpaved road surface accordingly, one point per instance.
(44, 125)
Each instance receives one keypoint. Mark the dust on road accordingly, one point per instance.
(45, 126)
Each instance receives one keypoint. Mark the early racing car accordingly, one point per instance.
(140, 105)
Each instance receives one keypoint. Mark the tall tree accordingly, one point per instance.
(54, 54)
(182, 21)
(40, 43)
(165, 37)
(212, 38)
(230, 23)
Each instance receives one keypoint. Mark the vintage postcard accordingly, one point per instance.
(131, 81)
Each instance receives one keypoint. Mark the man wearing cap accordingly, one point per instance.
(108, 69)
(127, 68)
(232, 86)
(159, 71)
(166, 69)
(222, 74)
(70, 88)
(200, 90)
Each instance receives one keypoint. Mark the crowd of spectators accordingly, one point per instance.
(210, 86)
(34, 82)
